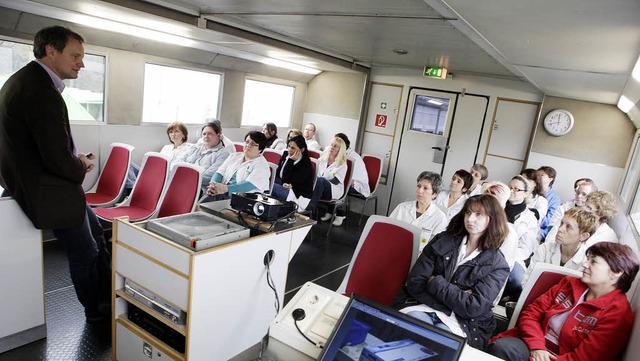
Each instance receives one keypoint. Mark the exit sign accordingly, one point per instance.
(433, 72)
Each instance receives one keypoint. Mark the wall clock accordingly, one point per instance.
(558, 122)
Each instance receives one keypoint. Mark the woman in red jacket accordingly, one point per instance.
(587, 318)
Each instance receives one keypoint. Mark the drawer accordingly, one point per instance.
(154, 276)
(132, 347)
(156, 247)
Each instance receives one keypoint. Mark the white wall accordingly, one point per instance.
(492, 87)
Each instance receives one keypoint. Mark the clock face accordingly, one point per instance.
(558, 122)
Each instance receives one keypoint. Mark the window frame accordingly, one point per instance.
(273, 81)
(189, 68)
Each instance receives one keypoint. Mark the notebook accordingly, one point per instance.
(369, 331)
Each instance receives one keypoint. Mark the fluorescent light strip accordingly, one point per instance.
(625, 104)
(146, 33)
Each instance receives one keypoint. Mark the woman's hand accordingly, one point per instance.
(295, 154)
(286, 185)
(217, 188)
(541, 355)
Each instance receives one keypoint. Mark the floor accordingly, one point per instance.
(319, 259)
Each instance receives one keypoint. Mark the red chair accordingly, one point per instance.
(385, 253)
(184, 187)
(313, 154)
(272, 156)
(542, 278)
(343, 199)
(272, 177)
(145, 198)
(239, 146)
(110, 185)
(373, 165)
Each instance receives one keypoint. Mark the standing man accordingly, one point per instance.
(309, 132)
(39, 167)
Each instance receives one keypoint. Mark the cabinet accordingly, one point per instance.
(223, 290)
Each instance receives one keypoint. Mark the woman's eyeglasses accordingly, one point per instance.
(516, 190)
(250, 143)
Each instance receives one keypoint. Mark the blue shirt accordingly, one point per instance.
(554, 202)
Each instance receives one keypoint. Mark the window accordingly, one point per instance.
(84, 96)
(429, 114)
(267, 102)
(179, 95)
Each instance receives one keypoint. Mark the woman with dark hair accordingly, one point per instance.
(581, 318)
(271, 132)
(210, 154)
(461, 272)
(537, 203)
(241, 172)
(451, 201)
(294, 177)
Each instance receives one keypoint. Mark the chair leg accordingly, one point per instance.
(333, 217)
(364, 207)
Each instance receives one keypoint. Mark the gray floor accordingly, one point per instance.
(320, 259)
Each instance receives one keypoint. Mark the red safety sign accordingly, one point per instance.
(381, 120)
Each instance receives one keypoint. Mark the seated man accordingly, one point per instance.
(359, 178)
(309, 133)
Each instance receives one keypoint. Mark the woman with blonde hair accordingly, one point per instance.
(332, 170)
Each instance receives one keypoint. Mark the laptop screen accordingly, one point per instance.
(369, 331)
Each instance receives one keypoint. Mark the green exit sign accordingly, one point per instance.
(433, 72)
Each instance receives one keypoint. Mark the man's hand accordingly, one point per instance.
(87, 162)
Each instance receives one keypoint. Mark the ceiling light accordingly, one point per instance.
(625, 104)
(434, 102)
(290, 66)
(400, 51)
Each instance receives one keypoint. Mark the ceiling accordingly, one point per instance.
(578, 49)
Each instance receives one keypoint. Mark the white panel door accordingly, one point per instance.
(381, 122)
(509, 139)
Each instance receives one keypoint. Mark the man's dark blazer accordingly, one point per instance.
(37, 162)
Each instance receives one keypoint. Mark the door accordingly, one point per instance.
(447, 143)
(510, 138)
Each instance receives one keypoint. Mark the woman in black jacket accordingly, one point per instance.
(295, 176)
(461, 272)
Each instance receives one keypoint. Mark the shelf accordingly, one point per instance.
(179, 328)
(144, 335)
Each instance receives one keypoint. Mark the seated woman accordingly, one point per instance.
(332, 169)
(583, 187)
(587, 318)
(537, 203)
(271, 132)
(178, 135)
(294, 177)
(569, 247)
(526, 228)
(293, 132)
(605, 206)
(501, 193)
(422, 212)
(479, 173)
(210, 154)
(460, 273)
(451, 201)
(242, 172)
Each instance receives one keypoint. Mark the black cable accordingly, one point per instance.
(272, 285)
(295, 322)
(280, 219)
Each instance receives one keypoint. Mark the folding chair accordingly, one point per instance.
(181, 196)
(313, 154)
(146, 196)
(380, 265)
(110, 185)
(239, 146)
(272, 156)
(373, 165)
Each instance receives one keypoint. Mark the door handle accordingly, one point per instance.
(437, 148)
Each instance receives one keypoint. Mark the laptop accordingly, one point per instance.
(370, 331)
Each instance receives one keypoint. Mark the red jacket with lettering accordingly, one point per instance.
(596, 330)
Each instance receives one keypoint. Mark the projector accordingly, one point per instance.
(261, 206)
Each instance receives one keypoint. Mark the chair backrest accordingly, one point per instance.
(542, 278)
(272, 156)
(347, 178)
(385, 253)
(114, 174)
(373, 165)
(239, 146)
(314, 166)
(272, 178)
(150, 184)
(313, 154)
(181, 196)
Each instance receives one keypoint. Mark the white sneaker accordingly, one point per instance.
(326, 217)
(338, 221)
